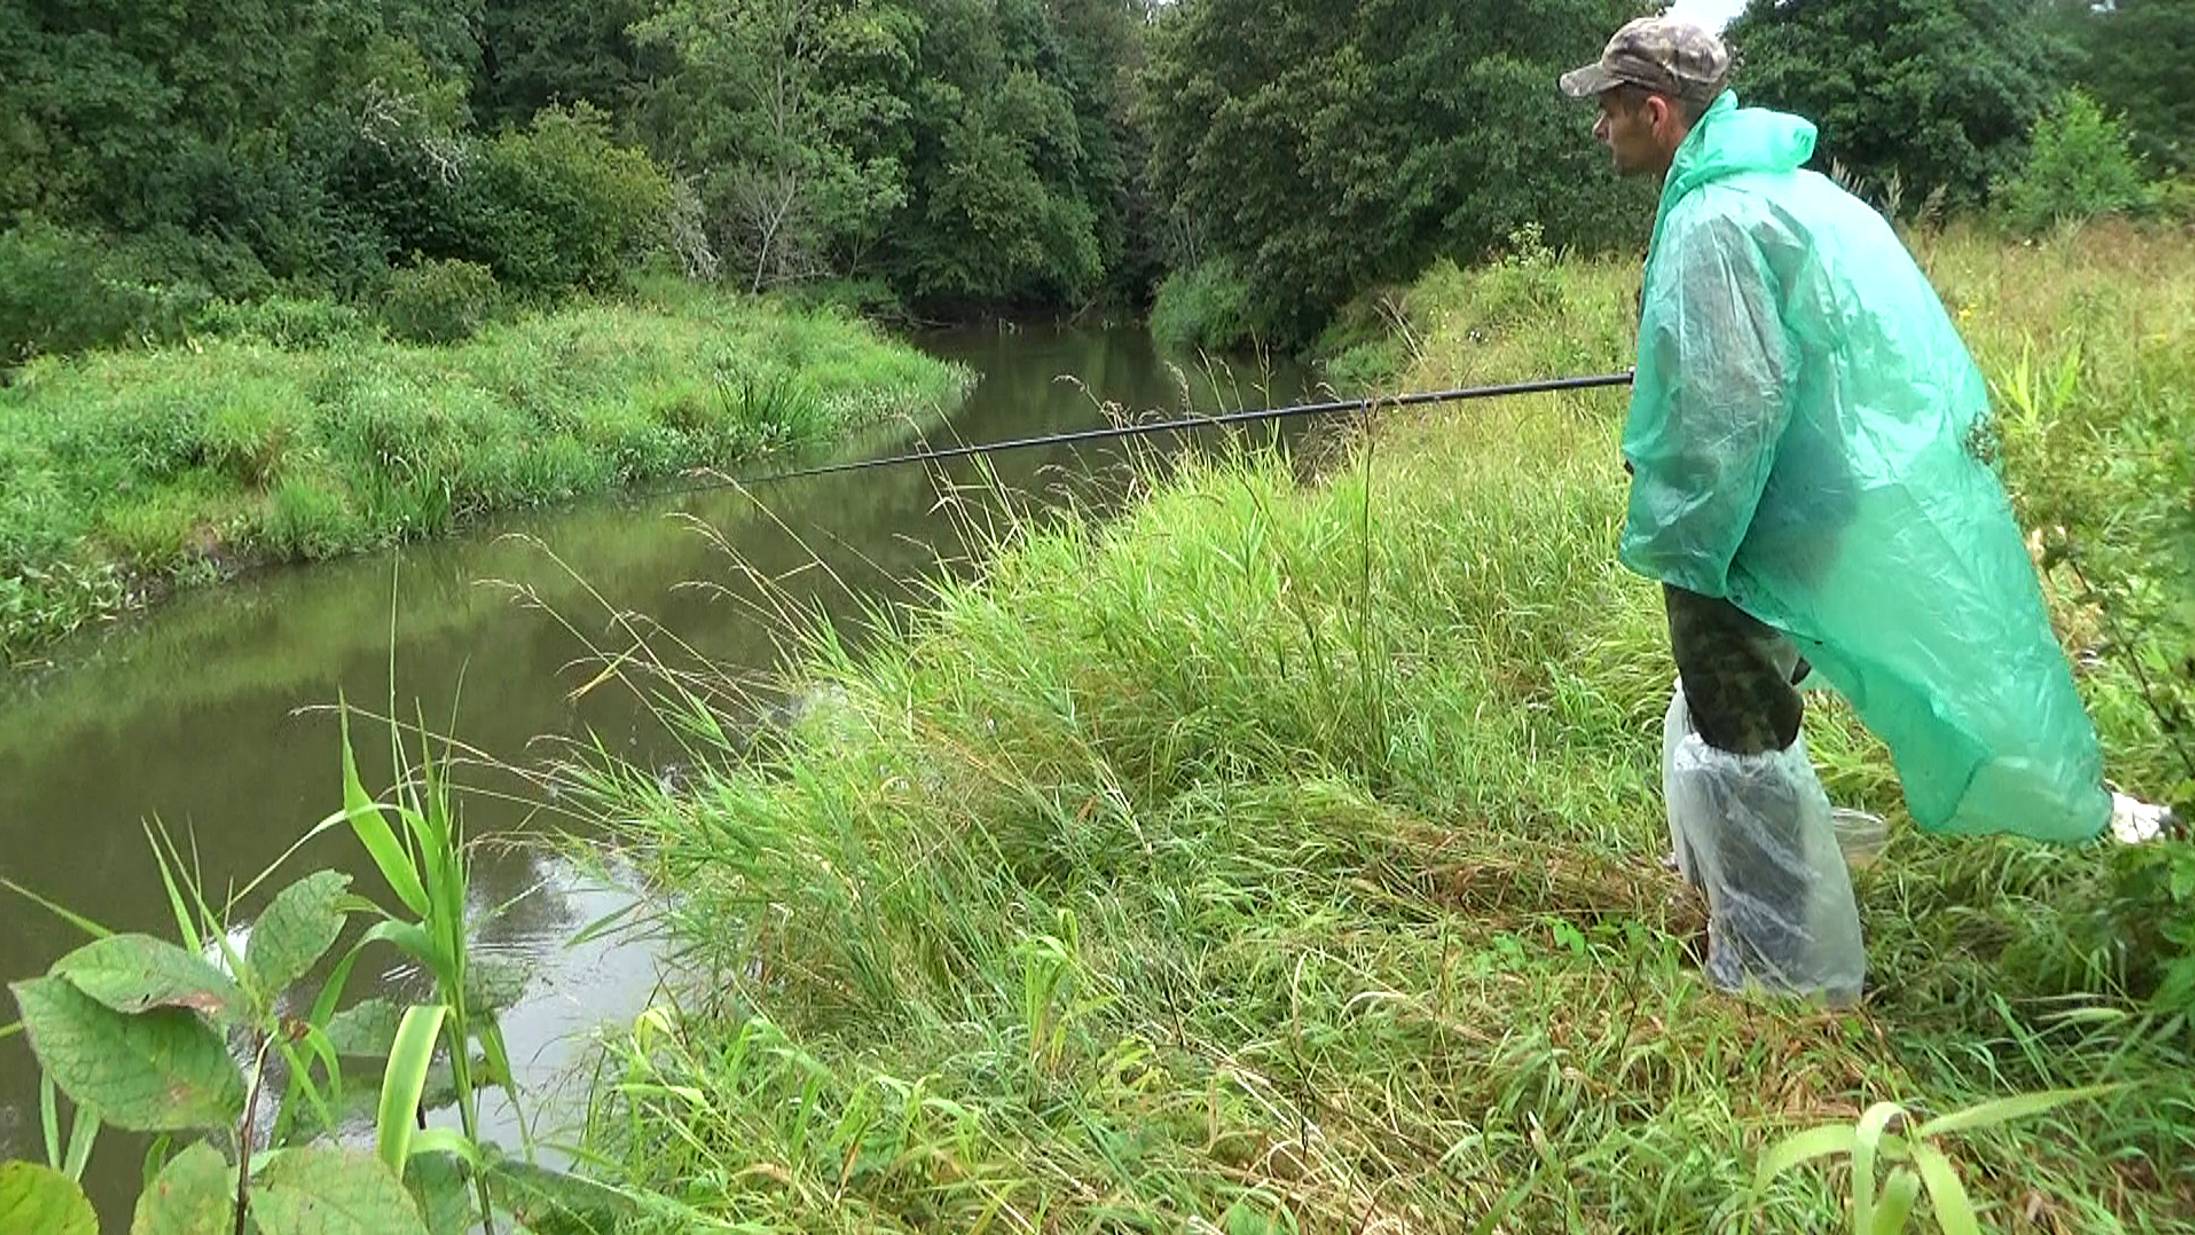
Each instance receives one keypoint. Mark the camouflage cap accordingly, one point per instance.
(1667, 55)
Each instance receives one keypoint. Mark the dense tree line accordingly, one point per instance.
(1942, 96)
(950, 152)
(1321, 147)
(1282, 156)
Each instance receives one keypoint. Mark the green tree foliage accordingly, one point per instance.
(542, 53)
(234, 148)
(2138, 60)
(559, 205)
(1327, 147)
(1939, 94)
(998, 164)
(963, 152)
(774, 108)
(2081, 166)
(63, 290)
(969, 150)
(215, 119)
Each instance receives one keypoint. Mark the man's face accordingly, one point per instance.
(1633, 131)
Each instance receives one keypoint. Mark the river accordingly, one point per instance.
(208, 714)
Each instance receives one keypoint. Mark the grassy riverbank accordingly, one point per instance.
(124, 474)
(1285, 859)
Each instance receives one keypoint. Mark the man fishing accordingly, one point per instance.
(1804, 488)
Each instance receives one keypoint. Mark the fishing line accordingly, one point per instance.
(1419, 399)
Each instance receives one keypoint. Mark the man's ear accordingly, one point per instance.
(1660, 112)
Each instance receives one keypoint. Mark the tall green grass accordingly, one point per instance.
(1287, 859)
(123, 474)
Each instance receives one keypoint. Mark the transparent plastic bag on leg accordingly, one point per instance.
(1753, 832)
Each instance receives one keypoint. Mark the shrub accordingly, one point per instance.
(1205, 306)
(307, 517)
(2176, 200)
(249, 435)
(559, 205)
(153, 532)
(440, 300)
(2081, 166)
(63, 290)
(284, 321)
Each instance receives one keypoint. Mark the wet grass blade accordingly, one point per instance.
(1805, 1147)
(74, 919)
(1954, 1210)
(604, 925)
(404, 1081)
(373, 831)
(1867, 1139)
(82, 1135)
(447, 1141)
(1897, 1204)
(185, 928)
(2005, 1110)
(49, 1118)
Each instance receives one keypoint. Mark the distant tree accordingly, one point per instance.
(1940, 93)
(770, 106)
(537, 53)
(2080, 166)
(2138, 59)
(1324, 147)
(1013, 162)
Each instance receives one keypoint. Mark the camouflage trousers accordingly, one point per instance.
(1738, 674)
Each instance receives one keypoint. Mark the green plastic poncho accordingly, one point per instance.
(1799, 444)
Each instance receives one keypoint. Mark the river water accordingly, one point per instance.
(208, 715)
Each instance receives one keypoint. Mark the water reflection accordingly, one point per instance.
(193, 715)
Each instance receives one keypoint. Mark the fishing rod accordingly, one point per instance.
(1421, 398)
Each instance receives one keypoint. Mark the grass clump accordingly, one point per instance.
(1205, 307)
(1287, 859)
(298, 434)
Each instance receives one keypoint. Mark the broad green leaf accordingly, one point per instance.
(1954, 1212)
(319, 1190)
(156, 1157)
(441, 1187)
(2005, 1110)
(447, 1141)
(373, 831)
(193, 1195)
(493, 984)
(159, 1071)
(402, 1082)
(1803, 1147)
(555, 1203)
(38, 1200)
(1897, 1203)
(136, 973)
(367, 1029)
(298, 928)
